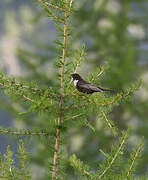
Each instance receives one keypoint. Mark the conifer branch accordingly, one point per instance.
(45, 4)
(22, 93)
(75, 116)
(23, 132)
(109, 124)
(2, 169)
(57, 18)
(115, 156)
(9, 164)
(23, 89)
(11, 83)
(134, 160)
(23, 159)
(71, 1)
(57, 143)
(54, 6)
(25, 97)
(110, 102)
(101, 72)
(80, 166)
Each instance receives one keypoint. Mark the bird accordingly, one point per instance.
(84, 86)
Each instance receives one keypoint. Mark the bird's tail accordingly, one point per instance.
(110, 90)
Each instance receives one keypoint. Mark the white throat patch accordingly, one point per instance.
(75, 82)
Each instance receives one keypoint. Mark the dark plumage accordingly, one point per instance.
(84, 86)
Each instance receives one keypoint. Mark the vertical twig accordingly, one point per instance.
(115, 156)
(2, 171)
(71, 1)
(57, 143)
(109, 124)
(24, 164)
(134, 159)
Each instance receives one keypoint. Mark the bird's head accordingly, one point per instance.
(76, 76)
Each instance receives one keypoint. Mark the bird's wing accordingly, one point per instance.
(88, 86)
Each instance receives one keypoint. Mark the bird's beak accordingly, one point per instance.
(71, 77)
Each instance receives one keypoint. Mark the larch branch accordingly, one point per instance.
(54, 6)
(114, 158)
(2, 171)
(57, 143)
(24, 132)
(134, 159)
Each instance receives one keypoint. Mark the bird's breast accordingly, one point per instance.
(75, 82)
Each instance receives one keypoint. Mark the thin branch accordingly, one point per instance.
(101, 72)
(25, 97)
(134, 159)
(109, 124)
(16, 84)
(25, 172)
(71, 1)
(57, 18)
(46, 108)
(2, 170)
(55, 159)
(20, 89)
(25, 132)
(54, 6)
(11, 83)
(23, 154)
(75, 70)
(73, 117)
(114, 158)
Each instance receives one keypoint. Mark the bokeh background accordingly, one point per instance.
(112, 30)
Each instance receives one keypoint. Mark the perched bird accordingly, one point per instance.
(84, 86)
